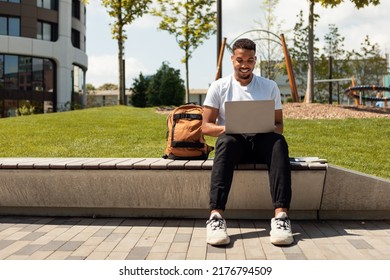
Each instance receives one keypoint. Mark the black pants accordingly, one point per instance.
(268, 148)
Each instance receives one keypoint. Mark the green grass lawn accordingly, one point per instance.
(358, 144)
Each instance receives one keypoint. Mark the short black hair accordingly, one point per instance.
(244, 44)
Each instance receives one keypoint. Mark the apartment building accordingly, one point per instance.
(42, 56)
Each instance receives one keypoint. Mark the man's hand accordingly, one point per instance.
(209, 126)
(279, 121)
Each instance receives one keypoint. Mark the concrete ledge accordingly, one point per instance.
(155, 187)
(353, 195)
(147, 188)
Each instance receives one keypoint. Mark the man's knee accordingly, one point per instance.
(227, 141)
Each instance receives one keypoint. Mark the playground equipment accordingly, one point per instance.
(279, 40)
(356, 92)
(353, 92)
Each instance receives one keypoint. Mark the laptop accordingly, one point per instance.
(250, 116)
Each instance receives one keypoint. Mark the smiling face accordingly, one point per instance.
(244, 61)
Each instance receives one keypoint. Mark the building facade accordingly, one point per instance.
(42, 56)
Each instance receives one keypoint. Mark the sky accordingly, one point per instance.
(147, 47)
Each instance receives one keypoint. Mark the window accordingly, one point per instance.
(3, 26)
(78, 87)
(11, 1)
(48, 75)
(14, 26)
(48, 4)
(1, 71)
(11, 71)
(9, 26)
(25, 66)
(42, 74)
(26, 73)
(26, 81)
(76, 38)
(78, 79)
(37, 73)
(46, 31)
(76, 9)
(85, 15)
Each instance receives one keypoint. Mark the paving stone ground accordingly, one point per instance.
(74, 238)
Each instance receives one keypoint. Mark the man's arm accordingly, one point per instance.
(279, 121)
(209, 126)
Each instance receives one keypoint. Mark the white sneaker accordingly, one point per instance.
(281, 233)
(216, 230)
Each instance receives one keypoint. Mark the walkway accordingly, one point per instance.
(48, 238)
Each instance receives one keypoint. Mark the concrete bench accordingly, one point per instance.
(156, 187)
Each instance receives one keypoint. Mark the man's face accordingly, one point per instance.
(244, 62)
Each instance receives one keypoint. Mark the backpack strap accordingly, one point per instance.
(187, 116)
(182, 144)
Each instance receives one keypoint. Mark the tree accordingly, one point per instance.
(108, 86)
(309, 97)
(337, 57)
(334, 48)
(139, 89)
(165, 87)
(299, 51)
(334, 43)
(269, 54)
(191, 21)
(124, 12)
(90, 87)
(369, 65)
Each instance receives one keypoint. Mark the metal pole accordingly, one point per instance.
(124, 82)
(219, 33)
(330, 70)
(290, 72)
(220, 57)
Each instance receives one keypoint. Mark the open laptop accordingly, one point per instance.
(250, 116)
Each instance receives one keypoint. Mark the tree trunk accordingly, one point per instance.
(120, 63)
(309, 96)
(187, 82)
(187, 57)
(120, 57)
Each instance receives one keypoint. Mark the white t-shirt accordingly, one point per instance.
(229, 89)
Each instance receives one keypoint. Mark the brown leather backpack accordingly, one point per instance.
(185, 139)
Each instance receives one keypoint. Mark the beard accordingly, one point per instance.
(244, 76)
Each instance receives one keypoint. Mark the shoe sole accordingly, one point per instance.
(284, 241)
(219, 242)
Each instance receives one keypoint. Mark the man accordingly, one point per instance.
(270, 148)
